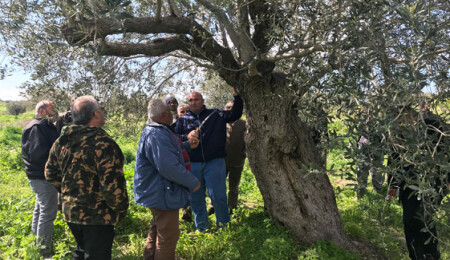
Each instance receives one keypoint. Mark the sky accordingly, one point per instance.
(9, 86)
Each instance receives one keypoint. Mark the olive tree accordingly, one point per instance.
(297, 65)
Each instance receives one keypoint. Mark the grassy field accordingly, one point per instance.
(251, 235)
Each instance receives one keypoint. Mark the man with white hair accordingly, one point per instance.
(37, 139)
(162, 180)
(86, 165)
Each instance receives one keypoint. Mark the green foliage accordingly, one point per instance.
(10, 151)
(15, 108)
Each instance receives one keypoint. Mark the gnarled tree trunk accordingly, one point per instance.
(287, 165)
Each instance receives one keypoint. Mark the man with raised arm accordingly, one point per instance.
(208, 163)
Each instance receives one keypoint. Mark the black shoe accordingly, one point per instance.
(211, 211)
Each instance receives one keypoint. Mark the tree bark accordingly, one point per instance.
(288, 166)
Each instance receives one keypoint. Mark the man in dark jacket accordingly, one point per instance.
(421, 161)
(37, 139)
(208, 163)
(162, 180)
(86, 166)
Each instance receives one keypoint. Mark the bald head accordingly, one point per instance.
(195, 101)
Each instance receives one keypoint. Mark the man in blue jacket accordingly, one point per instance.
(37, 139)
(208, 163)
(162, 180)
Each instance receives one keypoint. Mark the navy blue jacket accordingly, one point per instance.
(37, 139)
(212, 133)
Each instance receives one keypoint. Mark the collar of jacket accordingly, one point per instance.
(203, 110)
(156, 124)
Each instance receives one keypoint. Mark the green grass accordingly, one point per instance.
(251, 234)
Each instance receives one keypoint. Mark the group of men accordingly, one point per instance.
(180, 156)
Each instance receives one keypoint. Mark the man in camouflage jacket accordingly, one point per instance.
(86, 166)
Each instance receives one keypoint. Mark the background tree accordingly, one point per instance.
(15, 108)
(297, 64)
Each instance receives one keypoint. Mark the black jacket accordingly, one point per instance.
(212, 132)
(37, 139)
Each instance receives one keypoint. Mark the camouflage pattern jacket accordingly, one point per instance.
(86, 166)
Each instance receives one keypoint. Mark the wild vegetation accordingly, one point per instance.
(251, 234)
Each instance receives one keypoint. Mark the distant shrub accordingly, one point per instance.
(16, 108)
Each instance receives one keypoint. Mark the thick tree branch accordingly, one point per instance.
(201, 45)
(174, 8)
(158, 9)
(241, 42)
(90, 30)
(260, 13)
(242, 14)
(155, 48)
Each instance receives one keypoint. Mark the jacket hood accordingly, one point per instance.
(75, 134)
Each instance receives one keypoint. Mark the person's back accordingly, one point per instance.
(37, 139)
(86, 165)
(89, 156)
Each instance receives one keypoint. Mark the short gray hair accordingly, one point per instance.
(42, 105)
(83, 109)
(156, 107)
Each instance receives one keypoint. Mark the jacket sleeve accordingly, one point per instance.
(112, 181)
(179, 130)
(53, 172)
(165, 153)
(235, 113)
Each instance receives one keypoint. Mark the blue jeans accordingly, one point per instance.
(212, 176)
(44, 213)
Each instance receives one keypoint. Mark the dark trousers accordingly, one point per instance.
(93, 241)
(234, 177)
(420, 231)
